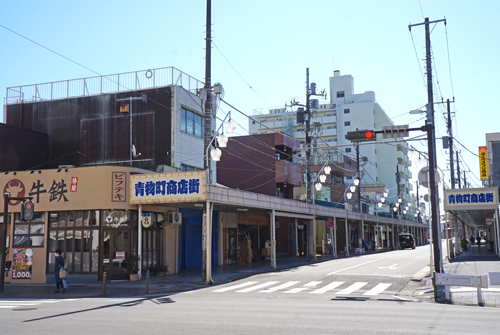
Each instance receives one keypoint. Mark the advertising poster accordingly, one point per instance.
(22, 263)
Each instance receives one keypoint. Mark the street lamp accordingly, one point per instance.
(222, 140)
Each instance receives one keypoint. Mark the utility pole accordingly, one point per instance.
(359, 176)
(431, 145)
(458, 171)
(207, 220)
(465, 181)
(452, 173)
(398, 181)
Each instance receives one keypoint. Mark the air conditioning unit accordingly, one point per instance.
(174, 218)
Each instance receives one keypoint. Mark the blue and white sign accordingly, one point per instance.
(471, 198)
(170, 187)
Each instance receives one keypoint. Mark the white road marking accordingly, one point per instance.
(269, 283)
(279, 287)
(307, 286)
(248, 283)
(378, 289)
(354, 287)
(328, 287)
(392, 267)
(355, 266)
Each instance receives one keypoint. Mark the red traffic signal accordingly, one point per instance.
(361, 135)
(28, 210)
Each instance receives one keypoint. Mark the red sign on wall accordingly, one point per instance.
(74, 184)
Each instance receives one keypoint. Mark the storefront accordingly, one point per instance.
(86, 213)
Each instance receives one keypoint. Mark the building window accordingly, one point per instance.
(29, 234)
(347, 123)
(192, 123)
(346, 137)
(347, 111)
(347, 149)
(340, 94)
(76, 233)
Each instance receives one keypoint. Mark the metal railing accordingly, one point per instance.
(113, 83)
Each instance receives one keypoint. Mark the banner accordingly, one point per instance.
(22, 263)
(483, 163)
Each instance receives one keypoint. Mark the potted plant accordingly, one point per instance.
(161, 269)
(133, 266)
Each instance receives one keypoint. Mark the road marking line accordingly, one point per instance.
(328, 287)
(392, 267)
(235, 286)
(269, 283)
(307, 286)
(378, 289)
(354, 287)
(355, 266)
(279, 287)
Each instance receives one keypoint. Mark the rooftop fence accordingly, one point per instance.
(107, 84)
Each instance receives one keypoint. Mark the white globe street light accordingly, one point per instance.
(356, 181)
(222, 140)
(349, 195)
(318, 186)
(386, 193)
(230, 126)
(352, 188)
(216, 153)
(327, 169)
(322, 178)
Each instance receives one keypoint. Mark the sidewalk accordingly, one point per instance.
(475, 261)
(185, 280)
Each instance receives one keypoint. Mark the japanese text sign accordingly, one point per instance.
(483, 163)
(170, 187)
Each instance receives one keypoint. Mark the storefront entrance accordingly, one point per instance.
(116, 247)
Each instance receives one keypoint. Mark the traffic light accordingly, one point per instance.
(28, 210)
(361, 135)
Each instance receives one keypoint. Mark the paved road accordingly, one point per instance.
(371, 276)
(360, 295)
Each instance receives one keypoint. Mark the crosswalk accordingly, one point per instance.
(28, 303)
(340, 288)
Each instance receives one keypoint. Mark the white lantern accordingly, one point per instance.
(352, 188)
(318, 186)
(404, 212)
(356, 181)
(322, 178)
(327, 169)
(382, 199)
(349, 195)
(400, 200)
(420, 163)
(386, 193)
(222, 140)
(379, 204)
(230, 126)
(216, 153)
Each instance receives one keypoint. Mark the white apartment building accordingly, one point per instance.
(347, 111)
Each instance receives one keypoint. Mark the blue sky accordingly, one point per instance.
(264, 47)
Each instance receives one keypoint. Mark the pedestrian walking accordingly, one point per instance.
(59, 264)
(472, 240)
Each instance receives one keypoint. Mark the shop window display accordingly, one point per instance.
(29, 234)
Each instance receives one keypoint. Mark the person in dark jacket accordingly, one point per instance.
(59, 265)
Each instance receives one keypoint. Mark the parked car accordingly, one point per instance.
(406, 241)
